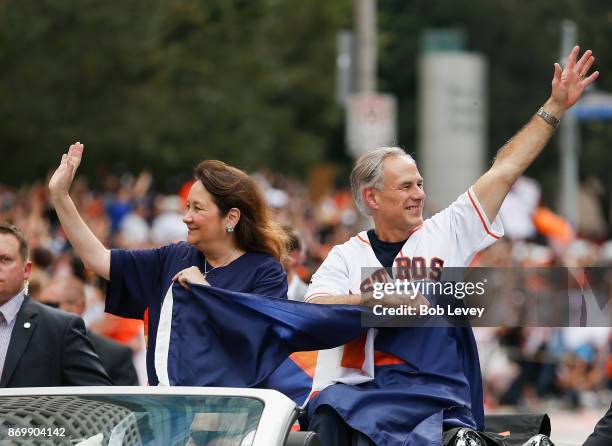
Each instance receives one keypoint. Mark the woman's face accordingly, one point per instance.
(202, 217)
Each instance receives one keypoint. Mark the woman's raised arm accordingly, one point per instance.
(94, 254)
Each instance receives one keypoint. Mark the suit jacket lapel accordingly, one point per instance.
(25, 323)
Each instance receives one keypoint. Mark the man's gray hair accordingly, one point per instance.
(368, 172)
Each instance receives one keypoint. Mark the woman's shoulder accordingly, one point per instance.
(261, 259)
(179, 248)
(267, 274)
(180, 251)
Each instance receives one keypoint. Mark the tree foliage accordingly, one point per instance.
(165, 83)
(521, 41)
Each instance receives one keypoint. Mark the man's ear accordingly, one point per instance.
(27, 270)
(369, 197)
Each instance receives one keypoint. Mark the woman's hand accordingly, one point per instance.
(60, 182)
(92, 251)
(191, 275)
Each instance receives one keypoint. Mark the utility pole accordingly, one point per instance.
(345, 48)
(569, 139)
(370, 116)
(365, 12)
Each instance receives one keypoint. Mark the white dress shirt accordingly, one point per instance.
(8, 316)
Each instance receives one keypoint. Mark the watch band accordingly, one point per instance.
(550, 119)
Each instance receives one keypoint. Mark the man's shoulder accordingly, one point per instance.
(460, 201)
(358, 242)
(337, 270)
(45, 312)
(103, 343)
(351, 253)
(442, 220)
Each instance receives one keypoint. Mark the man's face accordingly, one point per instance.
(400, 202)
(13, 269)
(67, 295)
(51, 295)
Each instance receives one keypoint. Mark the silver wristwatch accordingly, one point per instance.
(550, 119)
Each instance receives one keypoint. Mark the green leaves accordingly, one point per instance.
(166, 83)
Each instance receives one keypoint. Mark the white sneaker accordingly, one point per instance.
(539, 440)
(467, 437)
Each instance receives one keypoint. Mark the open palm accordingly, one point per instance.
(569, 84)
(60, 182)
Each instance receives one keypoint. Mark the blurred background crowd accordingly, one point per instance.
(528, 367)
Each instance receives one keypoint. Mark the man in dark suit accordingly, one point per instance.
(68, 294)
(39, 346)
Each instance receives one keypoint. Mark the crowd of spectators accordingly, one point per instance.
(538, 360)
(524, 365)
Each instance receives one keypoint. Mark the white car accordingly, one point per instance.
(135, 416)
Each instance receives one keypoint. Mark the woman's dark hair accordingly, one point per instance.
(233, 188)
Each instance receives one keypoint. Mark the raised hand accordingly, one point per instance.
(59, 184)
(569, 83)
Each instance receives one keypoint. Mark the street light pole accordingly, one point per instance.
(365, 12)
(569, 140)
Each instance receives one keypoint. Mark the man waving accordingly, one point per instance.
(436, 396)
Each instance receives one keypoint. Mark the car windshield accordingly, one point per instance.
(113, 420)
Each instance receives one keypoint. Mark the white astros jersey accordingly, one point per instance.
(451, 238)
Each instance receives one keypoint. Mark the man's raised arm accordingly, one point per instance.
(518, 153)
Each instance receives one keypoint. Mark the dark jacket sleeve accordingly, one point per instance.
(125, 373)
(602, 435)
(81, 366)
(116, 358)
